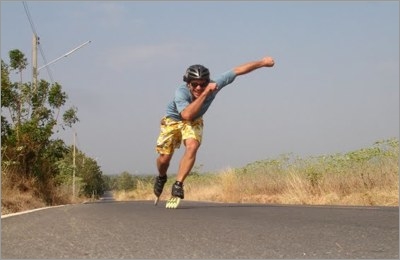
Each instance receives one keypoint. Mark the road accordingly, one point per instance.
(138, 229)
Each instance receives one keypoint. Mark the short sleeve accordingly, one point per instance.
(182, 99)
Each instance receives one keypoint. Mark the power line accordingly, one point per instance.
(29, 17)
(37, 37)
(45, 60)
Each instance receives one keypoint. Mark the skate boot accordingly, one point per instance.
(177, 190)
(159, 186)
(177, 194)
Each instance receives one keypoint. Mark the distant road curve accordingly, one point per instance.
(110, 229)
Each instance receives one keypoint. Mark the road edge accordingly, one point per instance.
(29, 211)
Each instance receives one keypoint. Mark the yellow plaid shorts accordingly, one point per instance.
(173, 132)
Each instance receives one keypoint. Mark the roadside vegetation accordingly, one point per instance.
(368, 176)
(36, 168)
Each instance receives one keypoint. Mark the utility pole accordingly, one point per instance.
(74, 167)
(35, 42)
(35, 73)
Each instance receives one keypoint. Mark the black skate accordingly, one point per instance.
(159, 186)
(177, 194)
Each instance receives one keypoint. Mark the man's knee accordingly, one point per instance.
(164, 159)
(192, 145)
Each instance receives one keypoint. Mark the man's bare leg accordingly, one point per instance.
(163, 161)
(162, 166)
(185, 166)
(188, 159)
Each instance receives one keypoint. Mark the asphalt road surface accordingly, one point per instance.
(109, 229)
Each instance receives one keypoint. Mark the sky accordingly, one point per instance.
(334, 87)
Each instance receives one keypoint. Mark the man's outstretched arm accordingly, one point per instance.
(253, 65)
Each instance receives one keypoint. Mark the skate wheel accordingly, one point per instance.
(173, 203)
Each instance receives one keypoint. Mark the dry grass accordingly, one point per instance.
(18, 194)
(364, 180)
(366, 177)
(140, 193)
(15, 200)
(21, 194)
(292, 188)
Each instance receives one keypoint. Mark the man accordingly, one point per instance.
(183, 120)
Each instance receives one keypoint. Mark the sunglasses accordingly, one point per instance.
(195, 84)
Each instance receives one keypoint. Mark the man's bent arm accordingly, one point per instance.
(191, 111)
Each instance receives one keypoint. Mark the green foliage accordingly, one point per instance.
(124, 181)
(28, 118)
(313, 175)
(88, 175)
(56, 97)
(107, 182)
(315, 168)
(92, 181)
(70, 117)
(196, 170)
(7, 95)
(66, 169)
(17, 60)
(277, 165)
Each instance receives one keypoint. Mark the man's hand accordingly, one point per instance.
(211, 87)
(268, 61)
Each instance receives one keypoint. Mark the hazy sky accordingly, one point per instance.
(334, 87)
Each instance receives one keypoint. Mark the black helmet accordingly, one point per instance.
(196, 72)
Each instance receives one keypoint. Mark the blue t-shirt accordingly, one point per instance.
(183, 97)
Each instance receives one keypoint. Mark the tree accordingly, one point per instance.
(28, 119)
(18, 61)
(89, 178)
(125, 181)
(93, 183)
